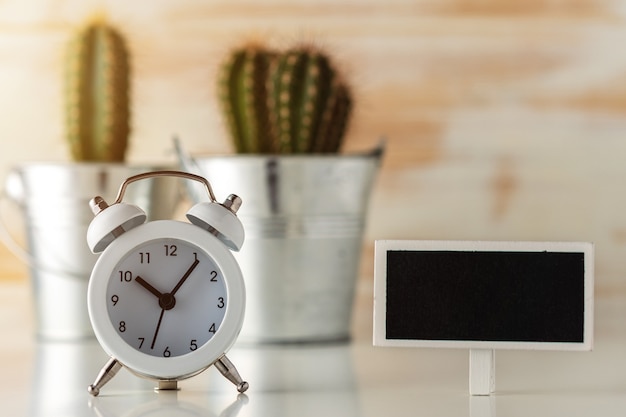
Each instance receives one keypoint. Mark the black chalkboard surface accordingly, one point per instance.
(528, 295)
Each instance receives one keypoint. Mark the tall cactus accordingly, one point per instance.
(290, 102)
(243, 93)
(97, 84)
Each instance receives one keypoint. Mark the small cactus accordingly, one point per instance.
(97, 85)
(290, 102)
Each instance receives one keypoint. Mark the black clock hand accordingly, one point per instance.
(156, 332)
(167, 300)
(184, 278)
(148, 287)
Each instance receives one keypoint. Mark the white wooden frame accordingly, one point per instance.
(380, 291)
(482, 353)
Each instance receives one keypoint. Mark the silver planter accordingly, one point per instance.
(54, 201)
(304, 218)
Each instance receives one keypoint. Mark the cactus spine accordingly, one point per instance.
(290, 102)
(97, 88)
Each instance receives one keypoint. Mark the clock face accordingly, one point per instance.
(166, 298)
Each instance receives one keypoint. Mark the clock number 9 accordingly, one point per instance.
(115, 299)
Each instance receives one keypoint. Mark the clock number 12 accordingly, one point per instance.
(170, 250)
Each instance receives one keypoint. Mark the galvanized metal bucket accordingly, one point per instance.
(54, 201)
(304, 218)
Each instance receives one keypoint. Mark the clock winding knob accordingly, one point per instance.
(97, 204)
(232, 203)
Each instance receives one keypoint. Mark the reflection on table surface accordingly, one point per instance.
(288, 378)
(350, 379)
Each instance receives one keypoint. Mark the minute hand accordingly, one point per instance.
(184, 277)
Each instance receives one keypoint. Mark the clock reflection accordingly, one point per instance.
(168, 404)
(285, 380)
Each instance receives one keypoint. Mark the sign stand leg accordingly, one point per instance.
(482, 372)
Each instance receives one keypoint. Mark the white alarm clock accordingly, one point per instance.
(166, 298)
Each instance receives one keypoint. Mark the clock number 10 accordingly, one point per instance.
(125, 276)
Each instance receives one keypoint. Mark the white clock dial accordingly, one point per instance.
(166, 298)
(188, 281)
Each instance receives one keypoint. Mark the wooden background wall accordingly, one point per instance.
(505, 119)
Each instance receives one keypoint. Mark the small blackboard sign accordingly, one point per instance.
(484, 295)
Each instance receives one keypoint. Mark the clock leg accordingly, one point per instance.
(226, 367)
(107, 372)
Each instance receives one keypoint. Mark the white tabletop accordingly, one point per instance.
(352, 379)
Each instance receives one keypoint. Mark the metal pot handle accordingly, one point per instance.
(13, 191)
(9, 241)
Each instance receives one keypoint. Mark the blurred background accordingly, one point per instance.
(504, 119)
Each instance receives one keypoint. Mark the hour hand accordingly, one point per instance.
(148, 287)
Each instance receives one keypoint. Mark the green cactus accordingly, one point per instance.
(309, 103)
(290, 102)
(97, 85)
(243, 93)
